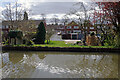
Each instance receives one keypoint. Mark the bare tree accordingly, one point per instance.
(28, 28)
(49, 32)
(55, 19)
(43, 16)
(12, 12)
(101, 23)
(65, 19)
(82, 15)
(113, 14)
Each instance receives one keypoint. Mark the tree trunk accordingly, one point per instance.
(14, 41)
(47, 41)
(102, 43)
(84, 42)
(9, 41)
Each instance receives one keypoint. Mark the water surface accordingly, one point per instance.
(59, 65)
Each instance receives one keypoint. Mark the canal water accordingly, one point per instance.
(20, 64)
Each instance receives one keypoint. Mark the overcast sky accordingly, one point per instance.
(51, 8)
(47, 7)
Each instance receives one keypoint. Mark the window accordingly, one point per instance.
(85, 27)
(68, 27)
(76, 31)
(91, 27)
(68, 32)
(61, 27)
(76, 27)
(6, 26)
(3, 26)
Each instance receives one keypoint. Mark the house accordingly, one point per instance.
(25, 25)
(75, 31)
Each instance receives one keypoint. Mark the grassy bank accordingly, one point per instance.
(62, 44)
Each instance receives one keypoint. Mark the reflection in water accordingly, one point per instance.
(0, 67)
(59, 65)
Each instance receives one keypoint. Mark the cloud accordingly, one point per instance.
(49, 7)
(1, 16)
(52, 7)
(42, 0)
(48, 16)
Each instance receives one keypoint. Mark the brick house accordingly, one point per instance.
(74, 31)
(25, 25)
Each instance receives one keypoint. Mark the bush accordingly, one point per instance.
(15, 33)
(24, 41)
(78, 42)
(92, 34)
(40, 36)
(109, 41)
(6, 42)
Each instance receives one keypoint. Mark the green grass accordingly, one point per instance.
(62, 44)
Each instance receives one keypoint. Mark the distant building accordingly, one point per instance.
(74, 31)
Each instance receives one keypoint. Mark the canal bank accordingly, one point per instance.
(60, 49)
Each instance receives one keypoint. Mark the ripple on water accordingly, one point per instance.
(56, 65)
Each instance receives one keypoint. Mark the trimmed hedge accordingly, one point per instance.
(15, 33)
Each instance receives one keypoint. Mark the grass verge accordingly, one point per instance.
(62, 44)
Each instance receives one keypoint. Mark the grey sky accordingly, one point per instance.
(48, 8)
(52, 7)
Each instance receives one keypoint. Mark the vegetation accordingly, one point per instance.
(30, 43)
(14, 34)
(107, 16)
(40, 35)
(49, 32)
(110, 12)
(63, 44)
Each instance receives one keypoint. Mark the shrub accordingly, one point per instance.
(15, 33)
(78, 42)
(109, 41)
(24, 41)
(92, 34)
(40, 35)
(6, 42)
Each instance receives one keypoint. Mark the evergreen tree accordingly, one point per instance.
(40, 35)
(25, 16)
